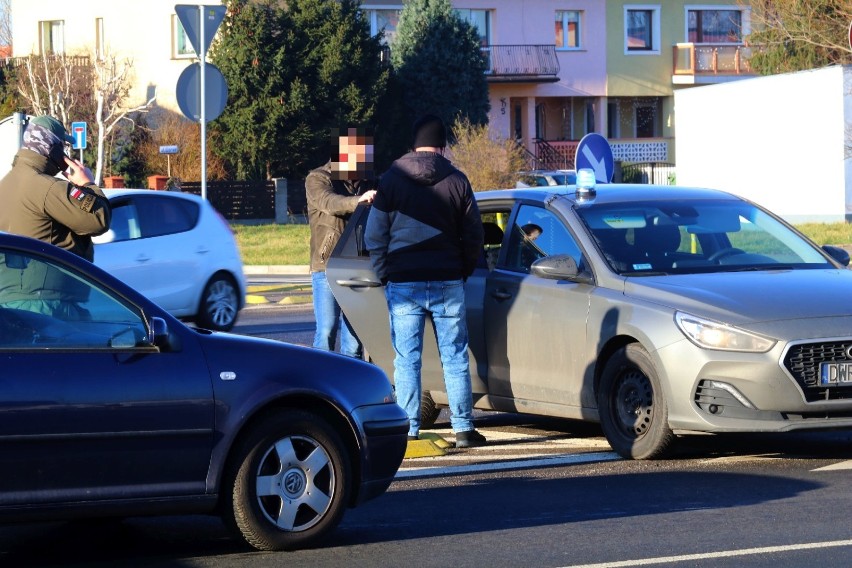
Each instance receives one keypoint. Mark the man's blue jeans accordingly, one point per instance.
(409, 304)
(330, 320)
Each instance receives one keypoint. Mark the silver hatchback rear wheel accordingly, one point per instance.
(219, 304)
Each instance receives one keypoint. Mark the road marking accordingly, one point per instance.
(836, 466)
(721, 554)
(506, 465)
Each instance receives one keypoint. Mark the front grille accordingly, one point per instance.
(803, 361)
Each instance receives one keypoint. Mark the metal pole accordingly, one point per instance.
(203, 55)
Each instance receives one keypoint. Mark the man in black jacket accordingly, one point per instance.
(425, 236)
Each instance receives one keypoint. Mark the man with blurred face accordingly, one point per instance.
(334, 191)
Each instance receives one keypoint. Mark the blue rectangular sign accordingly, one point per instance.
(78, 131)
(168, 149)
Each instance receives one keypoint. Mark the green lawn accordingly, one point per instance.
(290, 244)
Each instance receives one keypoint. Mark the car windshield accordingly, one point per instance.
(677, 237)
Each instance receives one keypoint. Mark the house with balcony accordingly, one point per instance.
(557, 70)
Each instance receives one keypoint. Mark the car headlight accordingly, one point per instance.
(714, 335)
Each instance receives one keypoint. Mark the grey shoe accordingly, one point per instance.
(469, 439)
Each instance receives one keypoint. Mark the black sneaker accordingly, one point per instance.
(469, 439)
(412, 438)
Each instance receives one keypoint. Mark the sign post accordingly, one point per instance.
(78, 131)
(168, 151)
(200, 34)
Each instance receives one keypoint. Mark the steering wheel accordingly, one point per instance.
(725, 252)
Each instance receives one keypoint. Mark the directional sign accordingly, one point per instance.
(78, 131)
(595, 153)
(168, 149)
(189, 92)
(189, 17)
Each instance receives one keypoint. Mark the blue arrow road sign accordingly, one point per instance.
(78, 131)
(595, 153)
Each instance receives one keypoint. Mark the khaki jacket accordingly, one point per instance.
(330, 203)
(35, 204)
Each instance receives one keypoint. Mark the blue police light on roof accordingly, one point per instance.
(585, 183)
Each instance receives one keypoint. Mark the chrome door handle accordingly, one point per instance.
(501, 294)
(358, 283)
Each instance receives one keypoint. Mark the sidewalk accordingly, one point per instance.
(281, 294)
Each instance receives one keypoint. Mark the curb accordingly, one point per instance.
(289, 269)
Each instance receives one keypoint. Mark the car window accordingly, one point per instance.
(695, 235)
(161, 215)
(47, 305)
(124, 225)
(537, 233)
(493, 227)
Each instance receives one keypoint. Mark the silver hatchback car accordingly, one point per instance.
(654, 310)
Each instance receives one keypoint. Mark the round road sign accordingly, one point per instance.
(189, 92)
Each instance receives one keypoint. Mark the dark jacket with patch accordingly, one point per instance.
(51, 209)
(330, 204)
(424, 224)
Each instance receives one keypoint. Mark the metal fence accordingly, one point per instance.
(658, 173)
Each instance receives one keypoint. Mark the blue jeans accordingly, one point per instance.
(330, 320)
(409, 304)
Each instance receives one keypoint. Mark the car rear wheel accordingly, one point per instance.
(632, 407)
(292, 483)
(429, 411)
(219, 304)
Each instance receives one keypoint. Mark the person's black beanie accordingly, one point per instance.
(429, 131)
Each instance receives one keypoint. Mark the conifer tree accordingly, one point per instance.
(439, 65)
(294, 71)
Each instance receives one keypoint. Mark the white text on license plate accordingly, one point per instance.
(837, 374)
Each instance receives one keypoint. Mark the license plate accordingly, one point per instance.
(835, 374)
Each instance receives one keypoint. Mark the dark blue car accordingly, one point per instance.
(110, 407)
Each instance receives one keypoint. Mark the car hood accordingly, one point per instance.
(781, 303)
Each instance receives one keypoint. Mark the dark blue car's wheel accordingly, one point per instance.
(632, 406)
(292, 483)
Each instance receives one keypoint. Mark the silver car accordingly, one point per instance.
(654, 310)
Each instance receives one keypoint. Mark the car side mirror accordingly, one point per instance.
(158, 333)
(559, 267)
(837, 253)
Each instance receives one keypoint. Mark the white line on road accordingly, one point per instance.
(842, 465)
(507, 465)
(720, 554)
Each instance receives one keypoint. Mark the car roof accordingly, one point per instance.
(607, 193)
(110, 193)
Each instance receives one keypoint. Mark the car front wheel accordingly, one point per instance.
(632, 407)
(219, 304)
(292, 482)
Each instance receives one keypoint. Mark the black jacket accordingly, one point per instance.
(424, 224)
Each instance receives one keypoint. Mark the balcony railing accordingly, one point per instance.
(72, 60)
(521, 63)
(710, 59)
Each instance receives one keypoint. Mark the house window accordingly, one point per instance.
(52, 36)
(181, 46)
(645, 123)
(479, 19)
(714, 26)
(100, 46)
(383, 20)
(567, 29)
(642, 29)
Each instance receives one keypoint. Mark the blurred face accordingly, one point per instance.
(354, 157)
